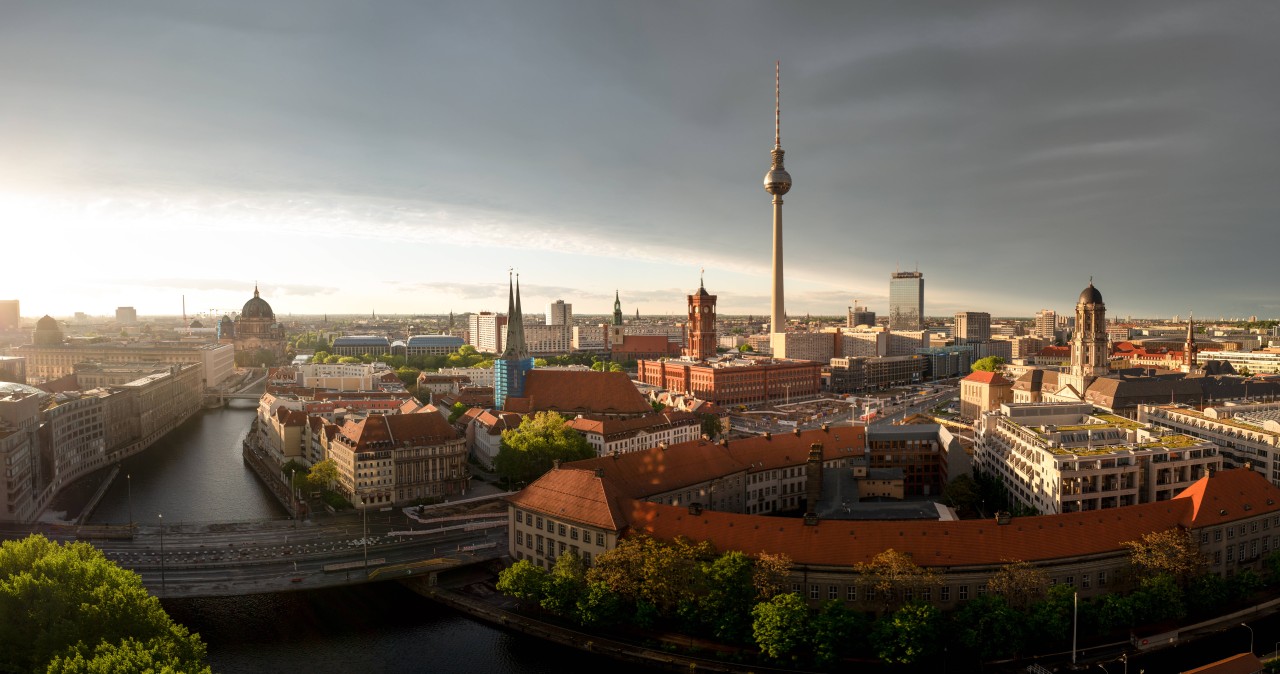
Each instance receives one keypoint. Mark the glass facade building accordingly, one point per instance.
(906, 301)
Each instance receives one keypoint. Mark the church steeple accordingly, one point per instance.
(617, 309)
(515, 348)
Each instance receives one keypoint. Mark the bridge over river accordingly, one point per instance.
(242, 558)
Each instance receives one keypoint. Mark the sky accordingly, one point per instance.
(401, 157)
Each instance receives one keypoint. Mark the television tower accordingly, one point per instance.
(777, 182)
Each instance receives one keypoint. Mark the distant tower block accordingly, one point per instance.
(777, 182)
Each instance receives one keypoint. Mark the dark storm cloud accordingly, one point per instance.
(1011, 150)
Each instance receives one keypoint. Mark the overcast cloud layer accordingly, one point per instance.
(403, 155)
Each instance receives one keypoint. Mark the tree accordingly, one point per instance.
(908, 635)
(657, 406)
(407, 375)
(726, 606)
(988, 364)
(990, 627)
(710, 425)
(456, 411)
(66, 605)
(746, 348)
(1172, 551)
(893, 575)
(770, 574)
(322, 474)
(962, 493)
(525, 581)
(780, 625)
(646, 571)
(349, 360)
(1020, 583)
(566, 585)
(530, 450)
(1051, 617)
(837, 632)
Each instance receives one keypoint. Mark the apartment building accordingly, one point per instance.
(1062, 457)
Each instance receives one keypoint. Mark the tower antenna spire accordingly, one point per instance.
(777, 103)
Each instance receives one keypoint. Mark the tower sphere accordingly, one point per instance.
(777, 181)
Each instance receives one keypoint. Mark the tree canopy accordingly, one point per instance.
(530, 450)
(988, 364)
(82, 613)
(1172, 551)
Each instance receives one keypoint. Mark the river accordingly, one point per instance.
(196, 474)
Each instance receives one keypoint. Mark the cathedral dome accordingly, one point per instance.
(47, 323)
(1090, 295)
(257, 308)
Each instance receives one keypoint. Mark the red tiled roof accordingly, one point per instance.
(573, 392)
(1060, 351)
(609, 427)
(982, 377)
(289, 417)
(380, 431)
(657, 470)
(573, 494)
(1230, 495)
(930, 543)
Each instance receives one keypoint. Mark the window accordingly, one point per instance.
(907, 594)
(813, 591)
(964, 593)
(1253, 548)
(1230, 553)
(1231, 532)
(520, 517)
(833, 592)
(600, 539)
(795, 587)
(926, 593)
(945, 593)
(1240, 552)
(539, 548)
(1217, 535)
(1071, 581)
(573, 533)
(1253, 527)
(562, 547)
(519, 537)
(851, 593)
(539, 525)
(871, 593)
(1217, 556)
(561, 529)
(1084, 581)
(1204, 537)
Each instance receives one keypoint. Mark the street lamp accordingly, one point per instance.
(1250, 636)
(128, 481)
(161, 516)
(293, 505)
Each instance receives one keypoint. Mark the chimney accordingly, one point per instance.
(768, 435)
(599, 472)
(695, 509)
(813, 486)
(1002, 517)
(797, 430)
(824, 428)
(555, 464)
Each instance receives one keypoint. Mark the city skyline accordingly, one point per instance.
(1009, 152)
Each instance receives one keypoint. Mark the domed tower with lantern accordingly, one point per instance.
(259, 339)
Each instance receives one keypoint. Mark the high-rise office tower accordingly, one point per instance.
(906, 300)
(1046, 324)
(972, 327)
(559, 313)
(777, 182)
